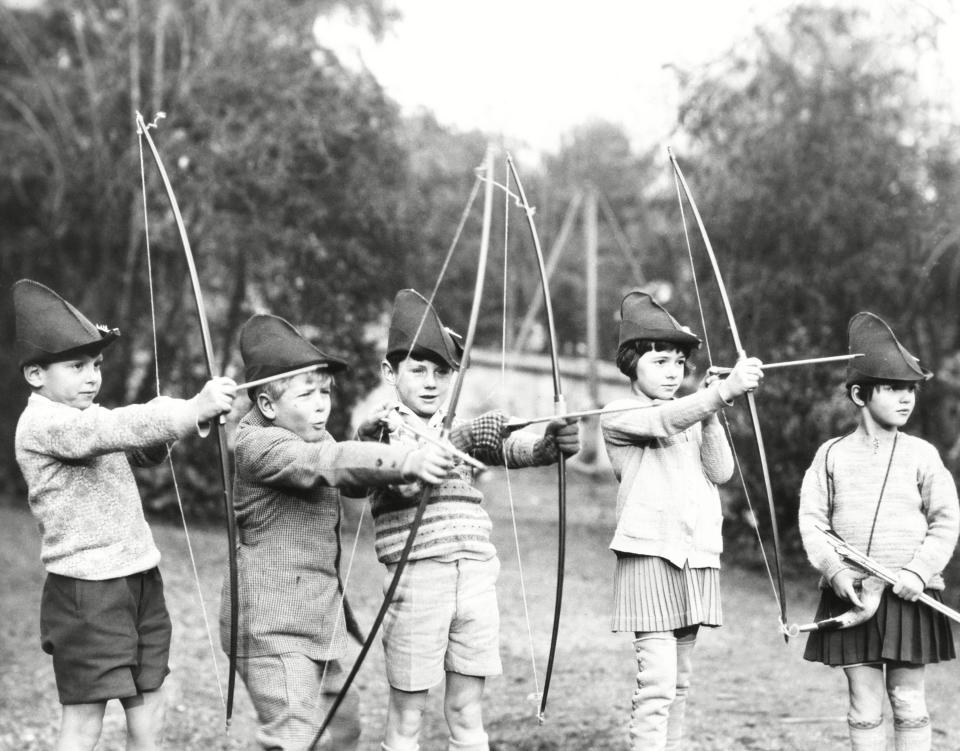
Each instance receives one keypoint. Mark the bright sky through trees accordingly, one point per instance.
(536, 68)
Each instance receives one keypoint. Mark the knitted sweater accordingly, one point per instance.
(454, 524)
(287, 500)
(81, 488)
(918, 518)
(668, 457)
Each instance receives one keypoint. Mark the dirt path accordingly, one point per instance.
(751, 691)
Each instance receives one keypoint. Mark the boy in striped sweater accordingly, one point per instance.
(443, 621)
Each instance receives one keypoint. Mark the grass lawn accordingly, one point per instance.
(750, 690)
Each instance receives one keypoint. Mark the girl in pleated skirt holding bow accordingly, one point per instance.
(889, 495)
(668, 454)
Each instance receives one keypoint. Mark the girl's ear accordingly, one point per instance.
(266, 406)
(855, 395)
(388, 373)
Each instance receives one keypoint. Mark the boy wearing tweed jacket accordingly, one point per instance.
(443, 620)
(103, 617)
(289, 475)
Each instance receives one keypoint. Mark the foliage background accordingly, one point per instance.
(826, 176)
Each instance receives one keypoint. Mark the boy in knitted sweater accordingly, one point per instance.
(443, 620)
(103, 617)
(293, 617)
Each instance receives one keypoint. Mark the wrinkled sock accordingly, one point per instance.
(480, 743)
(410, 747)
(912, 735)
(656, 689)
(678, 709)
(867, 735)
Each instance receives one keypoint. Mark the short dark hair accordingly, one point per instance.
(630, 352)
(869, 385)
(398, 356)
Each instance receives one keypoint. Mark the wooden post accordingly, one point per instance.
(588, 452)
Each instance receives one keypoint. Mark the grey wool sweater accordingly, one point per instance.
(918, 518)
(80, 485)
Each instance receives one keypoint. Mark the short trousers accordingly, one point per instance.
(109, 639)
(292, 694)
(443, 617)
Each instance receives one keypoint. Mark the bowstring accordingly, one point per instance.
(506, 469)
(723, 416)
(173, 473)
(474, 192)
(341, 617)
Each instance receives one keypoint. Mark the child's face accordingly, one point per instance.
(659, 374)
(891, 406)
(75, 382)
(422, 385)
(303, 407)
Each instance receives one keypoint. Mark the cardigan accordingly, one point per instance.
(669, 455)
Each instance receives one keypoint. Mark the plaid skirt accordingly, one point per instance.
(651, 594)
(901, 631)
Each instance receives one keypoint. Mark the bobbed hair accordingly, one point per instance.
(631, 351)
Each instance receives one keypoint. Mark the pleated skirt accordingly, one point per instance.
(901, 631)
(651, 594)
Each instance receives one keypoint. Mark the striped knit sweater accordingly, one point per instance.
(80, 485)
(454, 524)
(918, 517)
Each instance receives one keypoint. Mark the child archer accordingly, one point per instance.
(103, 618)
(668, 455)
(443, 621)
(290, 474)
(888, 494)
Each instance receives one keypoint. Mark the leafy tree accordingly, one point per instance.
(823, 183)
(289, 169)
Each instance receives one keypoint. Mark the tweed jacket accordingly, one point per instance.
(287, 501)
(669, 457)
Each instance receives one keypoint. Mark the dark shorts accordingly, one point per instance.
(109, 639)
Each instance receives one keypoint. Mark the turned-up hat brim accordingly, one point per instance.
(49, 329)
(642, 317)
(415, 327)
(270, 345)
(882, 357)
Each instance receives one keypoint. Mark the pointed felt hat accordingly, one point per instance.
(49, 329)
(882, 357)
(416, 327)
(270, 345)
(642, 317)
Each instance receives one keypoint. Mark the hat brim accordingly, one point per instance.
(40, 357)
(674, 336)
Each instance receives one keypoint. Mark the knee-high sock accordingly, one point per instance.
(867, 735)
(480, 743)
(656, 689)
(678, 708)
